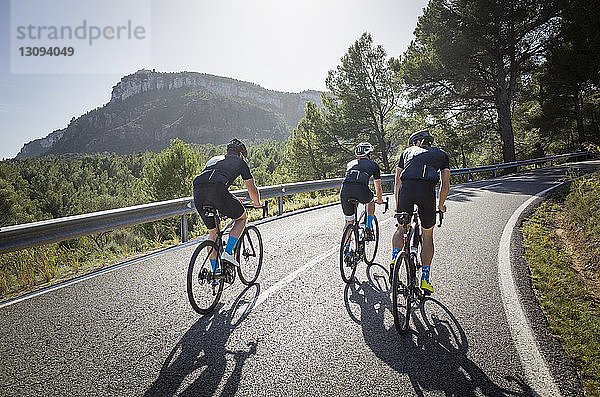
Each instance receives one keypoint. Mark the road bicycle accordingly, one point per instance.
(204, 287)
(405, 283)
(358, 243)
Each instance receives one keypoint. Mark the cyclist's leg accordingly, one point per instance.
(238, 226)
(370, 207)
(232, 208)
(201, 193)
(427, 249)
(426, 207)
(348, 208)
(405, 204)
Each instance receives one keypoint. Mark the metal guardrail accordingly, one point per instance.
(13, 238)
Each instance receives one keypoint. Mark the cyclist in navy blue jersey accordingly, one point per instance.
(356, 185)
(211, 188)
(417, 174)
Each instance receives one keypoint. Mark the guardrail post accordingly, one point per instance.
(280, 204)
(495, 172)
(184, 228)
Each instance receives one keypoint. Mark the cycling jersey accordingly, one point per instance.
(420, 173)
(361, 170)
(356, 183)
(224, 170)
(210, 187)
(423, 163)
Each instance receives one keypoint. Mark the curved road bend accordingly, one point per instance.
(301, 330)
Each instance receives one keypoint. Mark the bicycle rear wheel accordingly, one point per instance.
(401, 293)
(349, 257)
(371, 245)
(249, 255)
(203, 289)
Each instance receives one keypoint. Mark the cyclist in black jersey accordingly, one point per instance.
(356, 185)
(417, 174)
(211, 188)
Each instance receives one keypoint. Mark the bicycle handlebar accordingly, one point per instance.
(265, 207)
(387, 204)
(441, 216)
(404, 217)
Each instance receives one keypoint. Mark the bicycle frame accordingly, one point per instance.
(229, 225)
(364, 212)
(412, 236)
(412, 239)
(409, 292)
(220, 233)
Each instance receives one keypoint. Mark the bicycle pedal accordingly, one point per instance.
(229, 274)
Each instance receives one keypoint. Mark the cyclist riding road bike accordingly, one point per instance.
(211, 188)
(356, 185)
(417, 174)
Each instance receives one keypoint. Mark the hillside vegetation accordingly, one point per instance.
(562, 248)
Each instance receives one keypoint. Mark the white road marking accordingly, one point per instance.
(292, 276)
(538, 375)
(492, 185)
(476, 188)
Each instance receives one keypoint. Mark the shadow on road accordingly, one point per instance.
(196, 366)
(434, 352)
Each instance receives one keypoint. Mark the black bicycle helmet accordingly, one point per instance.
(422, 135)
(235, 146)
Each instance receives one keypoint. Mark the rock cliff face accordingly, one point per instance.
(147, 109)
(38, 147)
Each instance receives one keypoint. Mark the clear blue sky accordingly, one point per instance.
(280, 45)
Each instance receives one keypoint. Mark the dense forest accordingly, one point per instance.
(58, 186)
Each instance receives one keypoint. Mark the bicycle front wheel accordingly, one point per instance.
(401, 293)
(249, 255)
(203, 289)
(349, 253)
(371, 242)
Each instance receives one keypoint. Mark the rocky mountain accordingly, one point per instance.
(147, 109)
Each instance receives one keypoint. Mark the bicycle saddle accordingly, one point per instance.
(209, 210)
(403, 218)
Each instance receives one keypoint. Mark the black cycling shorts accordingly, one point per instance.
(422, 194)
(216, 195)
(357, 191)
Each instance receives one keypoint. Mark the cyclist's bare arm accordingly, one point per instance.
(378, 192)
(253, 192)
(444, 189)
(397, 184)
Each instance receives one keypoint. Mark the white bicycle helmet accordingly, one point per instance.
(363, 149)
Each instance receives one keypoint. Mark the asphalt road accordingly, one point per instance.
(301, 331)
